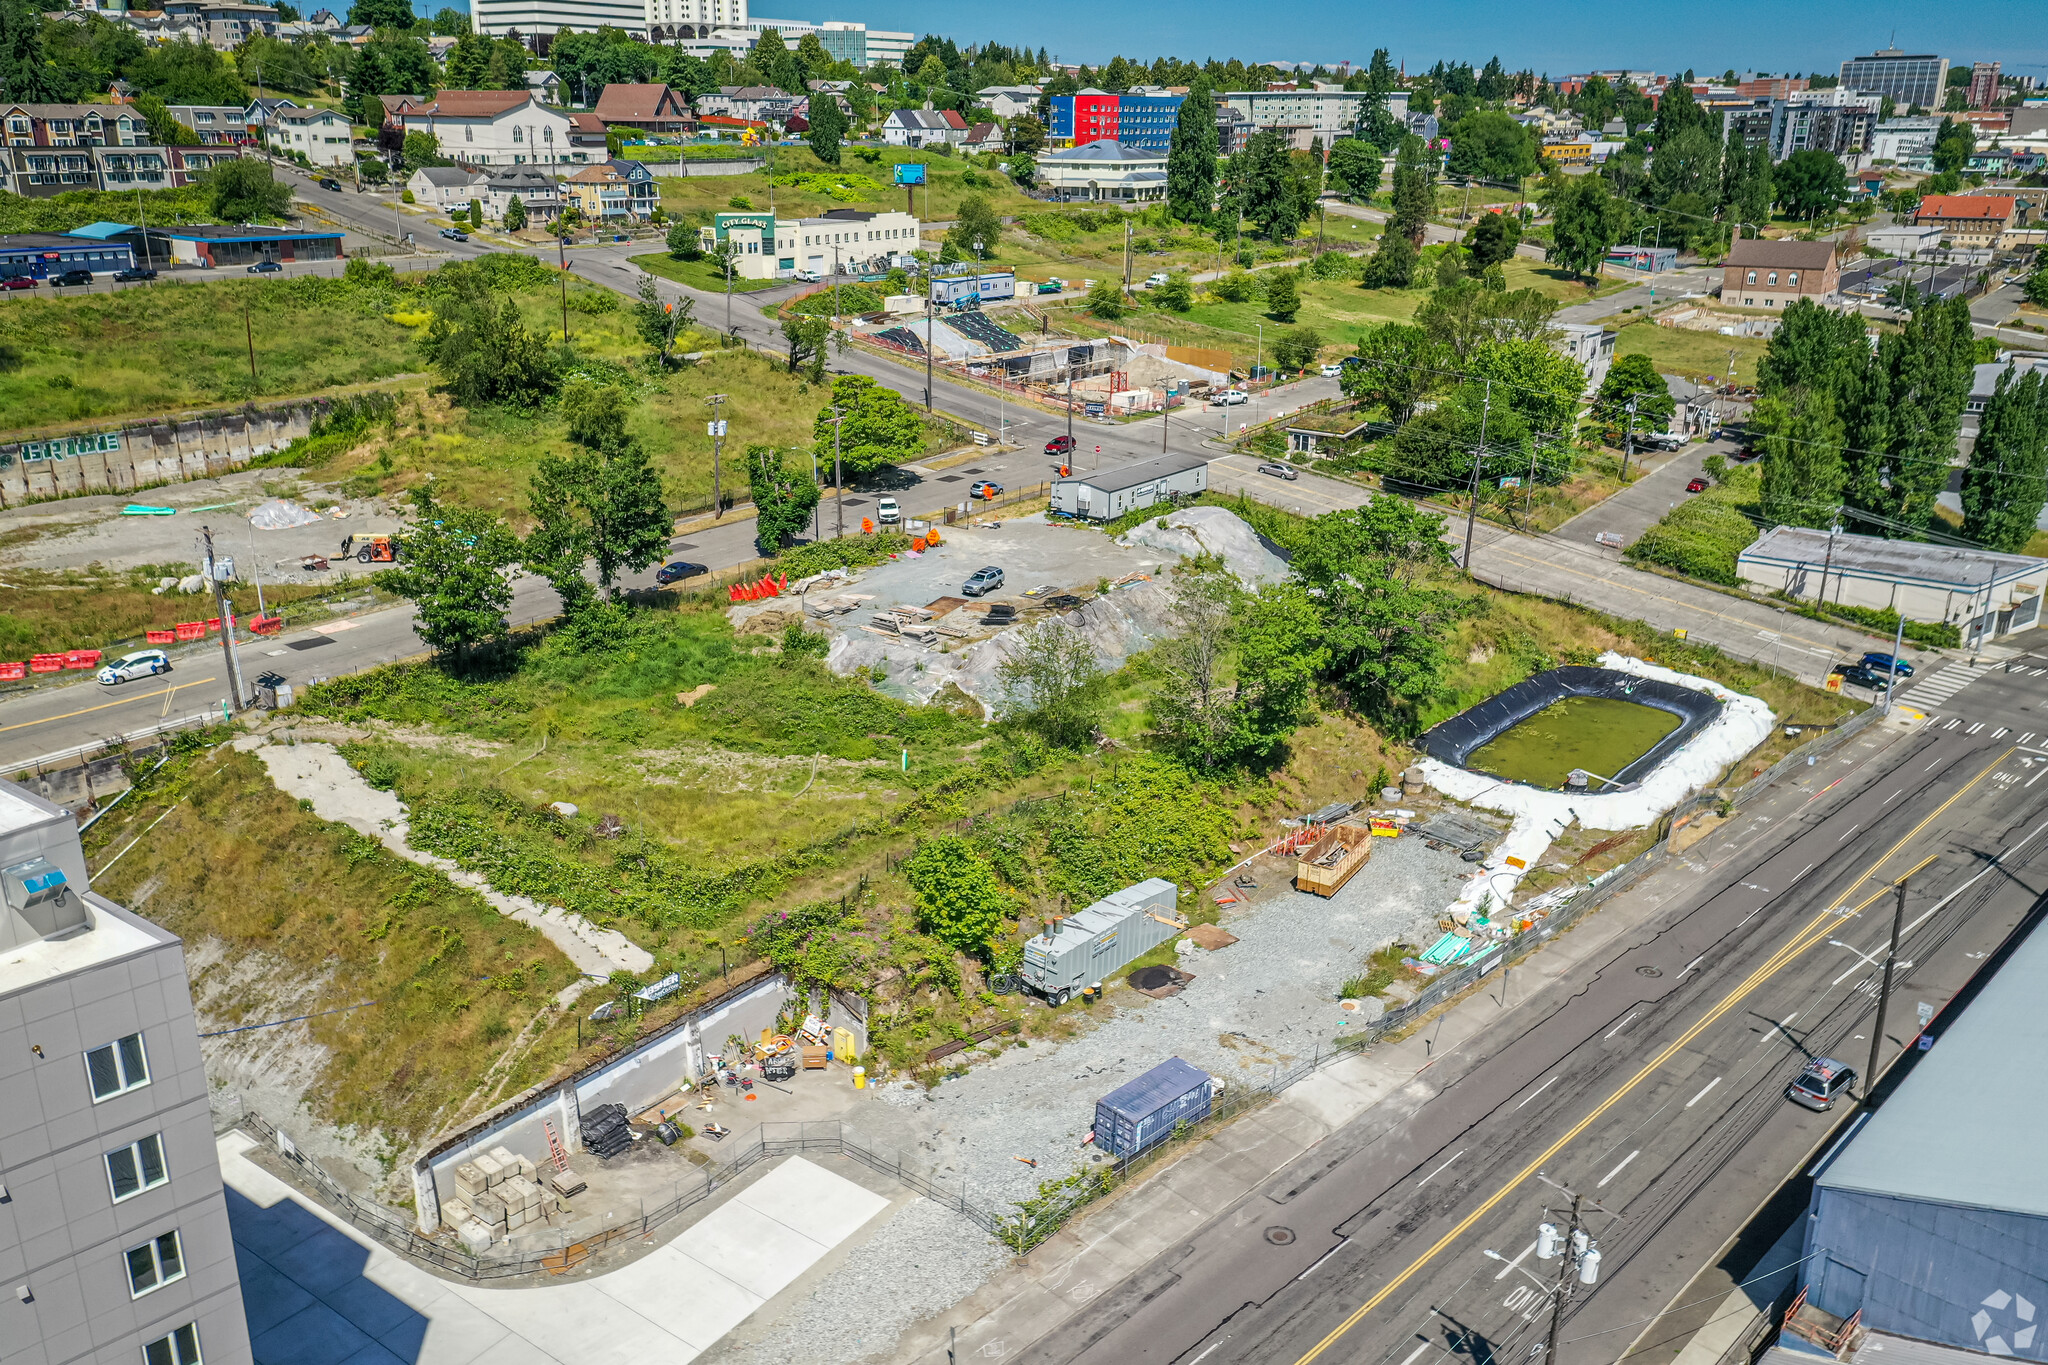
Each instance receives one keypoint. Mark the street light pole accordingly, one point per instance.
(717, 434)
(838, 476)
(1472, 505)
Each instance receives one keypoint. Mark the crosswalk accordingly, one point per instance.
(1962, 725)
(1940, 686)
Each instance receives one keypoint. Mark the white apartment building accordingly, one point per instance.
(320, 134)
(114, 1223)
(495, 128)
(531, 18)
(850, 240)
(1327, 112)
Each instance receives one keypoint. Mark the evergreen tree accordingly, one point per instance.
(1677, 112)
(828, 125)
(1191, 162)
(1266, 186)
(778, 65)
(1904, 417)
(1356, 168)
(2006, 485)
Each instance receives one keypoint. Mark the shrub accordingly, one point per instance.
(405, 197)
(1698, 538)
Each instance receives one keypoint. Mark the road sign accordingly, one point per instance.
(1511, 483)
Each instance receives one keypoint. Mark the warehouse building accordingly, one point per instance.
(1106, 494)
(1981, 593)
(1929, 1221)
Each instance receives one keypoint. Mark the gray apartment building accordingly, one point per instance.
(1908, 77)
(114, 1241)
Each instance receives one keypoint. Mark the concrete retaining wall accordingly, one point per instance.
(141, 454)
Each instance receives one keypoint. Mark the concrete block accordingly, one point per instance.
(469, 1180)
(456, 1212)
(493, 1170)
(528, 1169)
(504, 1157)
(474, 1236)
(519, 1193)
(488, 1209)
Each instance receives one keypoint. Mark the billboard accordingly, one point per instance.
(910, 172)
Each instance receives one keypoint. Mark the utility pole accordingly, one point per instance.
(1628, 440)
(838, 476)
(931, 336)
(1472, 508)
(142, 222)
(227, 621)
(1884, 993)
(562, 261)
(716, 430)
(1577, 1255)
(249, 334)
(1127, 257)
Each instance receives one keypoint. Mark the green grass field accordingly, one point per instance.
(698, 274)
(869, 186)
(1692, 354)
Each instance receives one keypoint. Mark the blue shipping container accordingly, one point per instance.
(1142, 1112)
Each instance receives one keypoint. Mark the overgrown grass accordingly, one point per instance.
(1703, 536)
(1696, 355)
(44, 611)
(700, 275)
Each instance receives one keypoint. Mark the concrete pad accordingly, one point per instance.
(372, 1310)
(315, 1335)
(749, 1248)
(267, 1296)
(814, 1202)
(373, 1354)
(689, 1299)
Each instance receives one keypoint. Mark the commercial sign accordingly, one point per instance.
(63, 448)
(724, 224)
(910, 172)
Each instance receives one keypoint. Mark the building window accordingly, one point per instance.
(177, 1348)
(117, 1068)
(1774, 277)
(1751, 279)
(137, 1167)
(155, 1264)
(1792, 278)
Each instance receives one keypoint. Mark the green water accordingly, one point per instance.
(1599, 734)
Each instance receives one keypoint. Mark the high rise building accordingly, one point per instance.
(113, 1225)
(1983, 84)
(1909, 78)
(542, 19)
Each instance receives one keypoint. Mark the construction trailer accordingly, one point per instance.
(1106, 494)
(1079, 950)
(1145, 1111)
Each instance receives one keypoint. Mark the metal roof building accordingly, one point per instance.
(1106, 494)
(1982, 593)
(1930, 1219)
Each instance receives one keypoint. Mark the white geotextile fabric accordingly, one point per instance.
(281, 514)
(1744, 723)
(1195, 531)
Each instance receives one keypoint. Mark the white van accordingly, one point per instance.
(887, 512)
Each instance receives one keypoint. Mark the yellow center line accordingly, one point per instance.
(1812, 932)
(140, 696)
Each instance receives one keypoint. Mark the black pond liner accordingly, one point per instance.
(1453, 741)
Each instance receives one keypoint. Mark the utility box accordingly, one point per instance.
(1083, 948)
(1145, 1111)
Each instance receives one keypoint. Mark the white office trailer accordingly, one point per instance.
(113, 1219)
(1106, 494)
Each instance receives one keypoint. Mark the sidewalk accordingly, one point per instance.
(1108, 1243)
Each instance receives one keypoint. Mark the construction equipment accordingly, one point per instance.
(372, 549)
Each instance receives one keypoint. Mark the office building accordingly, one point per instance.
(1103, 170)
(1327, 111)
(1927, 1228)
(1765, 273)
(538, 21)
(843, 241)
(114, 1223)
(1909, 78)
(1143, 118)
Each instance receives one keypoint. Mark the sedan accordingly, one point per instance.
(328, 182)
(1279, 471)
(985, 490)
(1696, 486)
(266, 268)
(982, 581)
(1331, 371)
(1865, 677)
(73, 277)
(143, 663)
(1059, 445)
(134, 274)
(13, 282)
(1822, 1082)
(677, 570)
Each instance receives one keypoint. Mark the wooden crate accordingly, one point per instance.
(1353, 847)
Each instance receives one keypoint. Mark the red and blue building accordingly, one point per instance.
(1141, 120)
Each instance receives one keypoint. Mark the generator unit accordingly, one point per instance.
(1081, 949)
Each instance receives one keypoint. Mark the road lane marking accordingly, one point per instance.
(1509, 1268)
(1810, 933)
(1851, 830)
(1439, 1170)
(1408, 1360)
(1703, 1092)
(1618, 1169)
(1539, 1090)
(1622, 1025)
(140, 696)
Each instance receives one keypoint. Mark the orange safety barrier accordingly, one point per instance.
(46, 663)
(212, 624)
(81, 658)
(13, 672)
(265, 625)
(920, 545)
(160, 637)
(770, 585)
(867, 526)
(190, 630)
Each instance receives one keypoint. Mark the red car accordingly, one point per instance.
(18, 282)
(1696, 486)
(1059, 445)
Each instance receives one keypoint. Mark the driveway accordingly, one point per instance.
(1642, 504)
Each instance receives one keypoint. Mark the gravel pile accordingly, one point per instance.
(1259, 1004)
(924, 1260)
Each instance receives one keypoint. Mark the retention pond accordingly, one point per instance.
(1598, 734)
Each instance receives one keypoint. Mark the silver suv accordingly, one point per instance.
(983, 580)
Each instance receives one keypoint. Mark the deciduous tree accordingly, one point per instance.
(1356, 168)
(1051, 683)
(879, 430)
(455, 572)
(2006, 485)
(960, 900)
(784, 495)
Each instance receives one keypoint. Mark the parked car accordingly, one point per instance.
(1885, 663)
(887, 511)
(13, 282)
(1661, 440)
(982, 581)
(1822, 1082)
(1155, 279)
(72, 277)
(266, 268)
(1698, 485)
(143, 663)
(134, 274)
(985, 490)
(675, 571)
(328, 182)
(1051, 287)
(1228, 398)
(1331, 371)
(1865, 677)
(807, 277)
(454, 234)
(1278, 470)
(1059, 445)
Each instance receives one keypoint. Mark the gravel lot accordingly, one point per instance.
(1261, 1002)
(923, 1260)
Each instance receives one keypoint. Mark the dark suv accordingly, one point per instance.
(72, 277)
(1824, 1081)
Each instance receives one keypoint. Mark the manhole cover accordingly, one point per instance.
(1648, 971)
(1280, 1237)
(1152, 978)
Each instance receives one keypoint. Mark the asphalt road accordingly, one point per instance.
(1651, 1084)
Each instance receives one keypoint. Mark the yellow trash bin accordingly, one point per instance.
(860, 1078)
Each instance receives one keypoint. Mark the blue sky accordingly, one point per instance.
(1665, 35)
